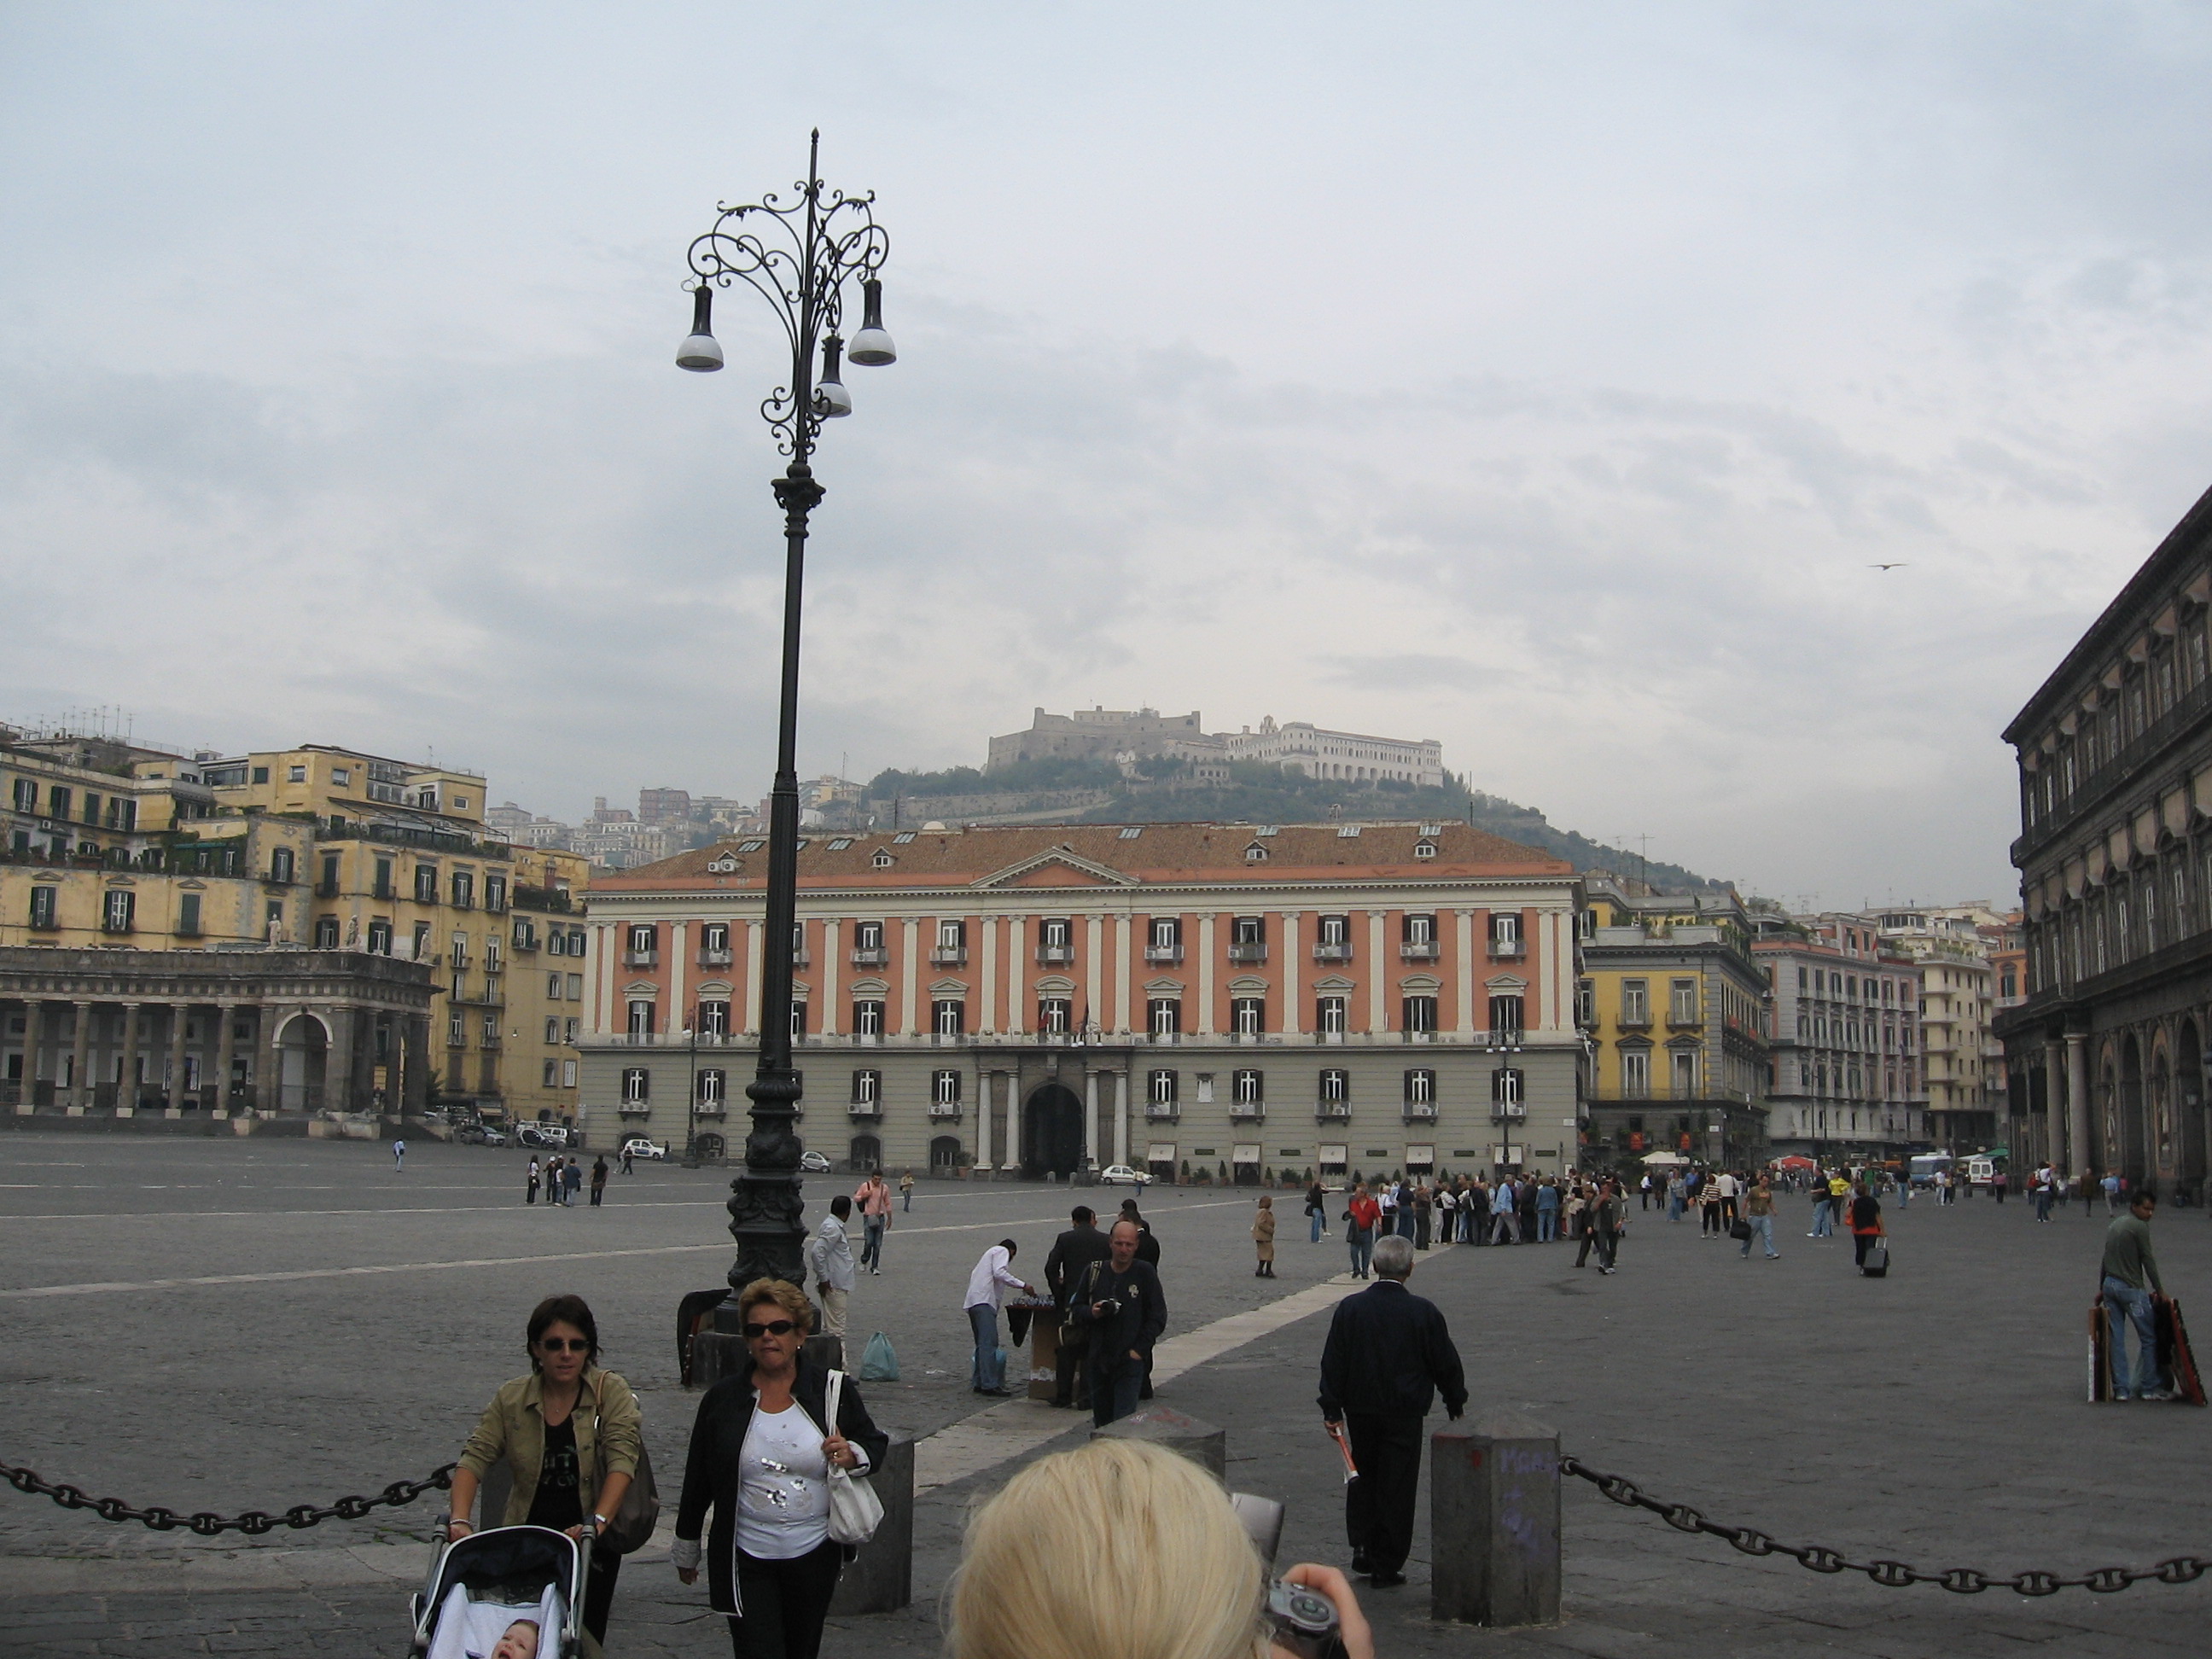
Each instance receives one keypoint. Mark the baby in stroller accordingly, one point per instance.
(510, 1593)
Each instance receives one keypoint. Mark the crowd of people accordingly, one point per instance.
(1514, 1209)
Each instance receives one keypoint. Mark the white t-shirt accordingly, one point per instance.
(783, 1503)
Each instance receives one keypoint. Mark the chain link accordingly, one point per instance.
(208, 1524)
(1897, 1575)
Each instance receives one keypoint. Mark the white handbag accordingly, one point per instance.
(855, 1511)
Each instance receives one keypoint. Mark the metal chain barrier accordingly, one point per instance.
(1962, 1581)
(208, 1524)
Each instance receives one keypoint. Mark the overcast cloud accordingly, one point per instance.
(1542, 380)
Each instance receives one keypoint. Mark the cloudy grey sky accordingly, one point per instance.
(1543, 380)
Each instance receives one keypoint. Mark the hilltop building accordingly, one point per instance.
(1297, 746)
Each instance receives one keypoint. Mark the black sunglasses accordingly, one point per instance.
(773, 1327)
(565, 1343)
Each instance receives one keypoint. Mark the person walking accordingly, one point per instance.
(598, 1179)
(1389, 1355)
(1263, 1236)
(1548, 1211)
(760, 1449)
(553, 1179)
(1824, 1212)
(874, 1200)
(1476, 1225)
(830, 1265)
(987, 1284)
(1708, 1208)
(1386, 1200)
(572, 1180)
(1072, 1252)
(1505, 1207)
(1758, 1216)
(1730, 1190)
(2110, 1186)
(532, 1194)
(2129, 1282)
(1317, 1212)
(906, 1189)
(1121, 1310)
(1423, 1207)
(1148, 1247)
(1362, 1215)
(570, 1435)
(1865, 1222)
(1644, 1188)
(399, 1154)
(627, 1154)
(1610, 1218)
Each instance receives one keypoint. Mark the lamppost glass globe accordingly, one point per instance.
(701, 351)
(830, 397)
(871, 347)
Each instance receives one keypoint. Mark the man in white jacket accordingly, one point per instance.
(830, 1265)
(987, 1284)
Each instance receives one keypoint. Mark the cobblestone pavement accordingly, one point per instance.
(1935, 1416)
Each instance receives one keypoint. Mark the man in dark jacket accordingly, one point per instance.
(1387, 1356)
(1072, 1252)
(1118, 1303)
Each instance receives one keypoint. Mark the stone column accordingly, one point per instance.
(1292, 1023)
(983, 1122)
(910, 966)
(175, 1080)
(1378, 974)
(1120, 1117)
(34, 1024)
(2054, 1104)
(986, 977)
(1017, 932)
(1124, 972)
(1463, 971)
(226, 1053)
(1013, 1160)
(270, 1080)
(1091, 1118)
(338, 1061)
(2079, 1147)
(418, 1066)
(126, 1078)
(81, 1094)
(1206, 963)
(833, 943)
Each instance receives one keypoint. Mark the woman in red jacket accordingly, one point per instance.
(1361, 1218)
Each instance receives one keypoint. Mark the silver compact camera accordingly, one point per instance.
(1304, 1621)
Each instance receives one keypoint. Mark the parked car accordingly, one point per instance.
(550, 1136)
(639, 1146)
(1120, 1175)
(470, 1134)
(814, 1163)
(491, 1137)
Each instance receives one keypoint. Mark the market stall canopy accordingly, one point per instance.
(1664, 1157)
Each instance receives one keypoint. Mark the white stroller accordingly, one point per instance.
(480, 1586)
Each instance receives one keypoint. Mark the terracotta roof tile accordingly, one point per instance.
(1159, 855)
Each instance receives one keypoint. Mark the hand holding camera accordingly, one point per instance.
(1313, 1614)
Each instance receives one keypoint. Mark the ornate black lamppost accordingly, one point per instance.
(800, 256)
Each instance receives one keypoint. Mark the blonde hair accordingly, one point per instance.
(1116, 1550)
(786, 1296)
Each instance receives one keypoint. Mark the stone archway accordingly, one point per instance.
(945, 1155)
(867, 1155)
(303, 1049)
(1052, 1132)
(2158, 1114)
(2189, 1109)
(2134, 1149)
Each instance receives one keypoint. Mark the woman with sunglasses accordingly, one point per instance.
(570, 1435)
(759, 1456)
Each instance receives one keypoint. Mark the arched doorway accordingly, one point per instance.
(867, 1155)
(709, 1148)
(945, 1155)
(2189, 1097)
(2133, 1162)
(1052, 1132)
(302, 1053)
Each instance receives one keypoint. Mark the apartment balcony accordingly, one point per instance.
(326, 890)
(800, 958)
(1055, 956)
(865, 1108)
(1508, 950)
(1164, 1039)
(1683, 1019)
(642, 959)
(1508, 1112)
(713, 1110)
(941, 1112)
(490, 1044)
(1248, 1111)
(870, 955)
(1248, 953)
(716, 958)
(1338, 952)
(635, 1108)
(1640, 1022)
(1158, 1111)
(1163, 955)
(1420, 950)
(948, 956)
(1330, 1039)
(1420, 1111)
(1333, 1111)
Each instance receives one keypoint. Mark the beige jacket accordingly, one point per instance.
(609, 1435)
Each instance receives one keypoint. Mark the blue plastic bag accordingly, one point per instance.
(877, 1363)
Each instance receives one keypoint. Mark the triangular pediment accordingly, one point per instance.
(1505, 982)
(1057, 867)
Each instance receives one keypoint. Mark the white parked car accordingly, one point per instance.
(814, 1162)
(639, 1146)
(1120, 1175)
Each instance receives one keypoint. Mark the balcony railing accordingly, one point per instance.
(1503, 1111)
(1419, 951)
(864, 1108)
(948, 956)
(1678, 1019)
(1159, 1111)
(713, 1110)
(1169, 955)
(635, 1108)
(716, 958)
(1247, 1111)
(642, 959)
(1338, 951)
(1508, 950)
(870, 956)
(941, 1113)
(1638, 1021)
(1248, 953)
(800, 958)
(1054, 956)
(1420, 1111)
(1333, 1111)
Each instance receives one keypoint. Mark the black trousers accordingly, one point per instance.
(1378, 1507)
(600, 1590)
(785, 1603)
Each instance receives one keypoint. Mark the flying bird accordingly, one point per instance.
(1899, 565)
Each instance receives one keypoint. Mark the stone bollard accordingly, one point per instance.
(1494, 1522)
(880, 1578)
(1163, 1425)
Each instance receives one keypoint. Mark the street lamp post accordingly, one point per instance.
(692, 1104)
(800, 256)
